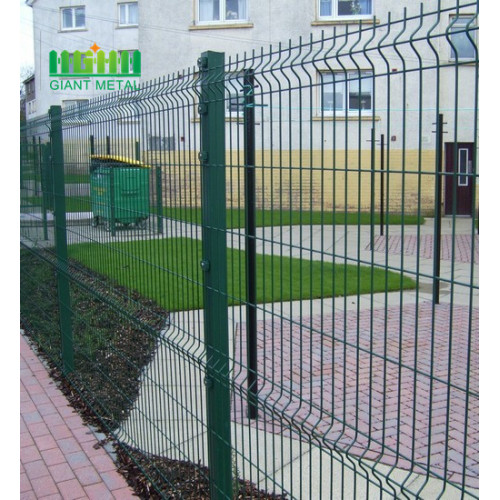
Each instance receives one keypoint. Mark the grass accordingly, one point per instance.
(235, 217)
(168, 272)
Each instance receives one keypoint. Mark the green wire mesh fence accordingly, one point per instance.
(261, 273)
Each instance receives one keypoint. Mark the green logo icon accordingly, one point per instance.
(94, 62)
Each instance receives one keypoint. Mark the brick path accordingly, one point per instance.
(390, 405)
(462, 243)
(58, 457)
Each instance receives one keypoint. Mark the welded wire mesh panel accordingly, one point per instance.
(361, 362)
(132, 231)
(320, 198)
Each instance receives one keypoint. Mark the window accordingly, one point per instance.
(345, 8)
(128, 14)
(347, 92)
(213, 11)
(72, 18)
(77, 107)
(158, 143)
(460, 38)
(31, 107)
(463, 167)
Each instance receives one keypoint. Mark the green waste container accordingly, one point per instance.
(119, 191)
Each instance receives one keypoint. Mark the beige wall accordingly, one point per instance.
(314, 180)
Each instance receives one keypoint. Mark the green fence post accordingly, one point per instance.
(214, 265)
(437, 211)
(56, 138)
(44, 187)
(159, 200)
(250, 243)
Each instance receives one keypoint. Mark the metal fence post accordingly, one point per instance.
(159, 200)
(214, 265)
(250, 243)
(56, 139)
(437, 211)
(382, 146)
(43, 187)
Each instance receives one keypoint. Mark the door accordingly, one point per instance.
(459, 187)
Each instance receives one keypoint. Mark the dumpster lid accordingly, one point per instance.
(120, 159)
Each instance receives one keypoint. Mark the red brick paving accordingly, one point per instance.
(58, 458)
(459, 247)
(376, 385)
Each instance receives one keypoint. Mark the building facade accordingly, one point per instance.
(371, 86)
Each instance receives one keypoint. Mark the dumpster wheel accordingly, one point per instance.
(141, 223)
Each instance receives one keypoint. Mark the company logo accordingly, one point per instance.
(110, 72)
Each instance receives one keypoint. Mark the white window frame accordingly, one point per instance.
(345, 80)
(31, 106)
(73, 18)
(463, 174)
(335, 11)
(458, 23)
(126, 6)
(223, 18)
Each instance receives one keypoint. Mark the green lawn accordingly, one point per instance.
(168, 272)
(236, 217)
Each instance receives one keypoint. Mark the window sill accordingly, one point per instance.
(72, 30)
(126, 26)
(220, 26)
(337, 22)
(128, 121)
(228, 119)
(462, 62)
(343, 118)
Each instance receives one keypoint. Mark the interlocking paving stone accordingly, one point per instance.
(396, 384)
(58, 458)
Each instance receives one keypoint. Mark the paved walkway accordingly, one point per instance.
(59, 456)
(164, 377)
(387, 371)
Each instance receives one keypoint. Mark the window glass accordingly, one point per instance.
(325, 8)
(209, 10)
(129, 13)
(354, 7)
(462, 48)
(222, 10)
(463, 167)
(352, 89)
(333, 92)
(73, 17)
(360, 91)
(67, 18)
(133, 13)
(340, 8)
(80, 17)
(236, 9)
(123, 14)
